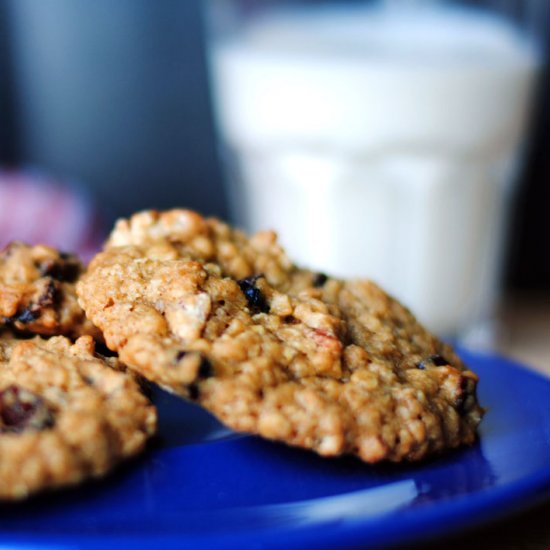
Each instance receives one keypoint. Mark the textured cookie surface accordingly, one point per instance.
(66, 414)
(186, 234)
(338, 367)
(173, 318)
(37, 291)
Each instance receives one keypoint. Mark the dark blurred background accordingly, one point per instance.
(114, 95)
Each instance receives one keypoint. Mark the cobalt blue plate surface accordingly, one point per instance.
(203, 487)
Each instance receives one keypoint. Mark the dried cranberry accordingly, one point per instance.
(256, 300)
(26, 316)
(21, 410)
(67, 268)
(436, 360)
(49, 296)
(205, 369)
(193, 390)
(319, 280)
(179, 356)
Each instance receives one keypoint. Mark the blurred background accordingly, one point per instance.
(112, 100)
(113, 96)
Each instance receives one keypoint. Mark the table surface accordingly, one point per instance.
(525, 330)
(524, 335)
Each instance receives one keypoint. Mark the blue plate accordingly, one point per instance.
(202, 486)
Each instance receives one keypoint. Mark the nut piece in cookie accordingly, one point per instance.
(66, 414)
(37, 291)
(315, 362)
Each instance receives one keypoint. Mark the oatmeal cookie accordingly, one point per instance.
(37, 292)
(313, 368)
(66, 414)
(187, 234)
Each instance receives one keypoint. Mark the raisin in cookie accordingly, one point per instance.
(37, 292)
(290, 367)
(66, 414)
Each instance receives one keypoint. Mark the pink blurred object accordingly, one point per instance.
(38, 210)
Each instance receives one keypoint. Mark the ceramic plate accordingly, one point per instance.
(202, 486)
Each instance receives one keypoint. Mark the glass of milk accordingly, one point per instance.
(380, 140)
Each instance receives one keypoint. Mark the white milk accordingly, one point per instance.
(380, 144)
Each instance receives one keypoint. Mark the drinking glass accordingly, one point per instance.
(380, 140)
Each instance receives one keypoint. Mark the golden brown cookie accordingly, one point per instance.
(164, 315)
(187, 234)
(66, 414)
(37, 291)
(337, 367)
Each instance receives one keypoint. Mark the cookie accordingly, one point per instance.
(66, 414)
(187, 234)
(37, 292)
(184, 233)
(336, 367)
(168, 317)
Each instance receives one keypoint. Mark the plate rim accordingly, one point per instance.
(464, 513)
